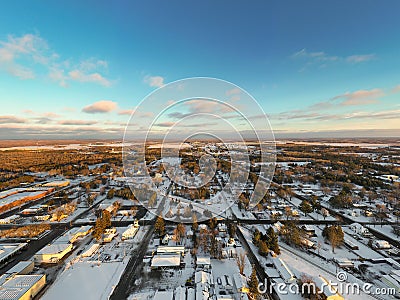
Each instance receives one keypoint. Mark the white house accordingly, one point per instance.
(359, 229)
(381, 244)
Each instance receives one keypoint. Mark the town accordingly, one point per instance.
(80, 220)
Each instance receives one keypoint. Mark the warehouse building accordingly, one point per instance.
(52, 253)
(22, 287)
(22, 268)
(57, 184)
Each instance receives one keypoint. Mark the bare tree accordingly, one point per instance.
(241, 261)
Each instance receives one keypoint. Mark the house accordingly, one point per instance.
(171, 250)
(109, 234)
(308, 244)
(222, 227)
(359, 229)
(10, 219)
(8, 250)
(308, 229)
(203, 261)
(202, 277)
(344, 263)
(381, 244)
(165, 240)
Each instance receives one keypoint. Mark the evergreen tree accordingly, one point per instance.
(232, 230)
(213, 223)
(159, 226)
(292, 234)
(106, 219)
(110, 194)
(256, 237)
(195, 225)
(306, 207)
(253, 283)
(272, 241)
(334, 234)
(263, 248)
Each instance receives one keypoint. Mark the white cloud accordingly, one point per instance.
(360, 58)
(80, 76)
(14, 48)
(154, 81)
(92, 64)
(103, 106)
(316, 56)
(29, 56)
(322, 59)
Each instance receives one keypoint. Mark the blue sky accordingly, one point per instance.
(70, 69)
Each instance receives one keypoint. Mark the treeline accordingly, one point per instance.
(7, 182)
(28, 231)
(69, 161)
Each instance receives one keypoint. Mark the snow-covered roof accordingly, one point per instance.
(19, 267)
(9, 249)
(164, 295)
(18, 285)
(203, 260)
(171, 260)
(180, 293)
(54, 249)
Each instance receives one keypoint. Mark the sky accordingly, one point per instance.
(79, 69)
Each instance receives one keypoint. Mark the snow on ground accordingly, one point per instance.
(86, 280)
(142, 296)
(385, 229)
(226, 267)
(299, 266)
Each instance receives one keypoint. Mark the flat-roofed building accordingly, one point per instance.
(57, 184)
(8, 250)
(22, 287)
(22, 268)
(73, 234)
(52, 253)
(166, 261)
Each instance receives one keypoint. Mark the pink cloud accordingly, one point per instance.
(103, 106)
